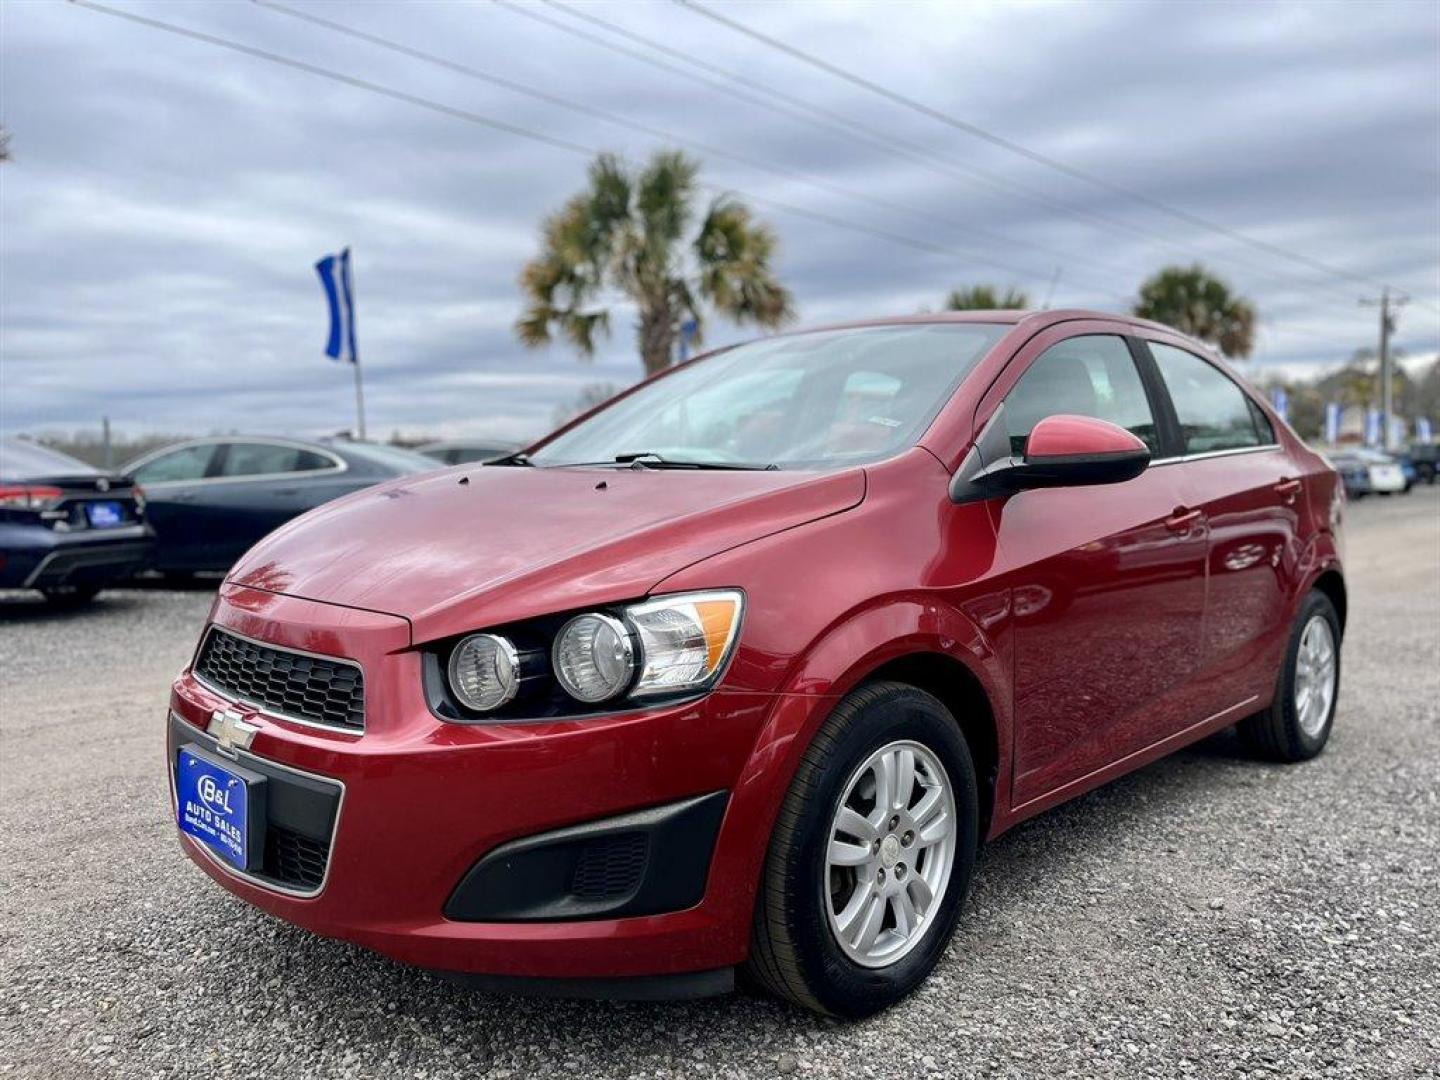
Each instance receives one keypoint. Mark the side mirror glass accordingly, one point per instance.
(1062, 451)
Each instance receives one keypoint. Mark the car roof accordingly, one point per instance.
(1035, 320)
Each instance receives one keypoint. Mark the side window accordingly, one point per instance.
(257, 459)
(1084, 376)
(1214, 413)
(1263, 427)
(186, 463)
(309, 461)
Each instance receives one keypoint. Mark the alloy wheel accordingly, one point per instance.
(891, 851)
(1315, 676)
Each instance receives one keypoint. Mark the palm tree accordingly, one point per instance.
(1194, 302)
(628, 232)
(985, 298)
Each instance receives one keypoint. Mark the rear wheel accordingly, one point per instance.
(871, 855)
(1297, 725)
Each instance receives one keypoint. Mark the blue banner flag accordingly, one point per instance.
(1280, 399)
(334, 271)
(1372, 427)
(1422, 429)
(1332, 422)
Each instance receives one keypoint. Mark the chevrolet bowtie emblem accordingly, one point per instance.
(231, 732)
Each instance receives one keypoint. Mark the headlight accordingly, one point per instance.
(484, 672)
(684, 639)
(555, 666)
(594, 657)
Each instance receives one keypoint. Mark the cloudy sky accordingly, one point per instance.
(166, 198)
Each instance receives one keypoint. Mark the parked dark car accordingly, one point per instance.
(1426, 458)
(66, 528)
(209, 500)
(466, 451)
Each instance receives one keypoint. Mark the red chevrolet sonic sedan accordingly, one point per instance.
(736, 671)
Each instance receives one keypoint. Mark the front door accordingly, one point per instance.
(1107, 583)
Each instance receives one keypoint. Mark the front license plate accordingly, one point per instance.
(217, 804)
(103, 515)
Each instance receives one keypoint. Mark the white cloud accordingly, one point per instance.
(167, 199)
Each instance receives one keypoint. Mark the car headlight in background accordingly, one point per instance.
(484, 672)
(664, 647)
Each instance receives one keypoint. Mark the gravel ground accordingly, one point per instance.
(1207, 916)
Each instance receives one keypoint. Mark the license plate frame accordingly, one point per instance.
(221, 805)
(104, 514)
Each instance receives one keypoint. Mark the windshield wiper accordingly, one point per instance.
(649, 459)
(519, 457)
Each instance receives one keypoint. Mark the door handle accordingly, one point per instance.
(1288, 489)
(1182, 519)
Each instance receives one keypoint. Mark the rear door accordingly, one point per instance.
(173, 481)
(257, 487)
(1252, 496)
(1107, 583)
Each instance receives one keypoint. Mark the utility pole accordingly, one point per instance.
(1387, 381)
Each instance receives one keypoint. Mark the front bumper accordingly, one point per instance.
(425, 802)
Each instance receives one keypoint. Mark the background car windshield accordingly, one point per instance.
(810, 400)
(20, 460)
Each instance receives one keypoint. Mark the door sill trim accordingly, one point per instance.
(1117, 768)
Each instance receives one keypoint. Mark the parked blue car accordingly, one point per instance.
(210, 500)
(66, 529)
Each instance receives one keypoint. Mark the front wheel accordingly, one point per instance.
(871, 855)
(1297, 725)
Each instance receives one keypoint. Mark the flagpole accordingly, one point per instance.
(354, 350)
(359, 400)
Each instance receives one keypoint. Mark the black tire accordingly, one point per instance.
(70, 596)
(793, 952)
(1275, 734)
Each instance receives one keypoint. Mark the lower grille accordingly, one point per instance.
(294, 860)
(316, 689)
(611, 867)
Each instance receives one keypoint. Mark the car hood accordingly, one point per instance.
(469, 547)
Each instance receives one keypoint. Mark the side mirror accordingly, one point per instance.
(1062, 451)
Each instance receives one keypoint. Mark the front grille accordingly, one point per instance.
(294, 860)
(611, 867)
(312, 688)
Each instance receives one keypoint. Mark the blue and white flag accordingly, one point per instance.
(1332, 422)
(1281, 400)
(1372, 427)
(1423, 431)
(688, 330)
(342, 304)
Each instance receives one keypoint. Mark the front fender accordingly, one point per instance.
(844, 656)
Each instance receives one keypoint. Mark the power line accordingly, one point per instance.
(495, 125)
(1009, 145)
(661, 134)
(769, 98)
(846, 126)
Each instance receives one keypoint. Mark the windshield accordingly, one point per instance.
(21, 460)
(835, 397)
